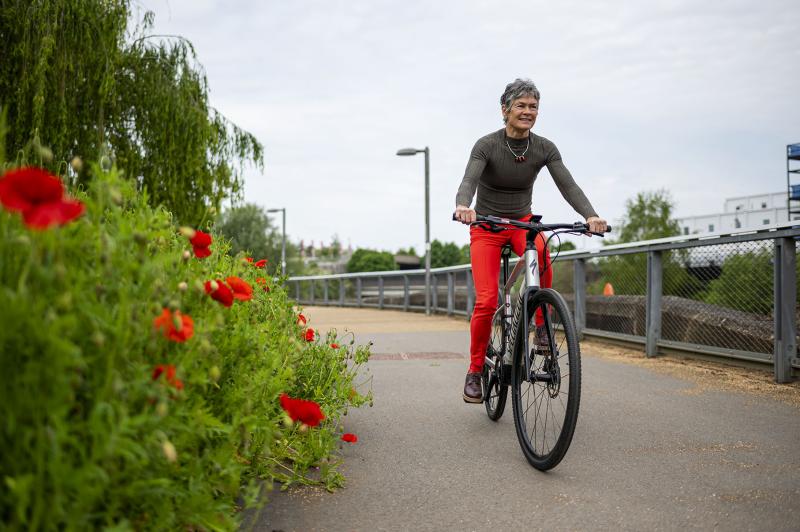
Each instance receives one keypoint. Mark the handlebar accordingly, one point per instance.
(535, 226)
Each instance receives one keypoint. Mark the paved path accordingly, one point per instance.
(660, 445)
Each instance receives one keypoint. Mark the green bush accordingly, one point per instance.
(89, 439)
(369, 260)
(745, 283)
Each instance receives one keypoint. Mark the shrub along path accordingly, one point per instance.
(660, 444)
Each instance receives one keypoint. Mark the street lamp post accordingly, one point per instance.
(283, 240)
(427, 152)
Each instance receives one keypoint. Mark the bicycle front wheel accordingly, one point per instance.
(546, 380)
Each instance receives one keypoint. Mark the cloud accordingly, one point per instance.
(695, 98)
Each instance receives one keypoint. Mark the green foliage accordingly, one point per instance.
(410, 251)
(369, 260)
(648, 216)
(77, 77)
(558, 247)
(745, 283)
(445, 254)
(87, 434)
(251, 232)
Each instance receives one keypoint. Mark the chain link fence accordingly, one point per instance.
(716, 295)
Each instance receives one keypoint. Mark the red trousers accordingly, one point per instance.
(485, 248)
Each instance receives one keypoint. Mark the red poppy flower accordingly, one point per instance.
(169, 322)
(200, 242)
(241, 289)
(309, 335)
(223, 294)
(334, 346)
(262, 263)
(39, 196)
(249, 259)
(169, 371)
(350, 438)
(307, 412)
(301, 320)
(263, 282)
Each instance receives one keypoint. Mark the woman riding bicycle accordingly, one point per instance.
(502, 168)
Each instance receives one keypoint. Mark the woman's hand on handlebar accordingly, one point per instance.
(597, 224)
(465, 215)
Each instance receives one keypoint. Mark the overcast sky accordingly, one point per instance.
(699, 98)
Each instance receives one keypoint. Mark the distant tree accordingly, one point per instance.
(444, 254)
(410, 251)
(250, 231)
(566, 245)
(465, 256)
(369, 260)
(648, 215)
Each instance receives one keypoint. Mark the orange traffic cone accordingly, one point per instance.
(608, 290)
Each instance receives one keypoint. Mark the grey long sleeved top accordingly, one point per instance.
(505, 186)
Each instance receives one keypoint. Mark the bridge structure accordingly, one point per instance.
(728, 295)
(662, 442)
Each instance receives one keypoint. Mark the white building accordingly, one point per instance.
(746, 212)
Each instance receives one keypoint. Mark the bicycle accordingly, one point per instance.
(543, 366)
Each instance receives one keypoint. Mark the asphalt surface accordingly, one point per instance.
(650, 452)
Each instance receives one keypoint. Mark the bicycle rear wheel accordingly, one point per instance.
(546, 381)
(495, 391)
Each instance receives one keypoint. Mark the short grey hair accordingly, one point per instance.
(519, 88)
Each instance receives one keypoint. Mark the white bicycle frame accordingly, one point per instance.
(529, 265)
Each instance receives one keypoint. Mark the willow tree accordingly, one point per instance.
(85, 78)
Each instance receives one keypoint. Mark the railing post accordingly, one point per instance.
(785, 301)
(434, 293)
(451, 293)
(297, 290)
(406, 293)
(325, 291)
(341, 291)
(312, 291)
(653, 308)
(470, 298)
(380, 291)
(358, 291)
(579, 283)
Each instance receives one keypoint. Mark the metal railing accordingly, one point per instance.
(728, 294)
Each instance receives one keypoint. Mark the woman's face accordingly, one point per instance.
(522, 113)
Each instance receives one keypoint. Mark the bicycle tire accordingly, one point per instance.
(542, 389)
(495, 392)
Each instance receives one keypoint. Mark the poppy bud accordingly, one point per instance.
(98, 339)
(212, 210)
(214, 373)
(174, 305)
(214, 286)
(182, 286)
(177, 321)
(77, 164)
(116, 196)
(169, 451)
(45, 153)
(303, 427)
(162, 409)
(199, 286)
(188, 232)
(287, 420)
(187, 255)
